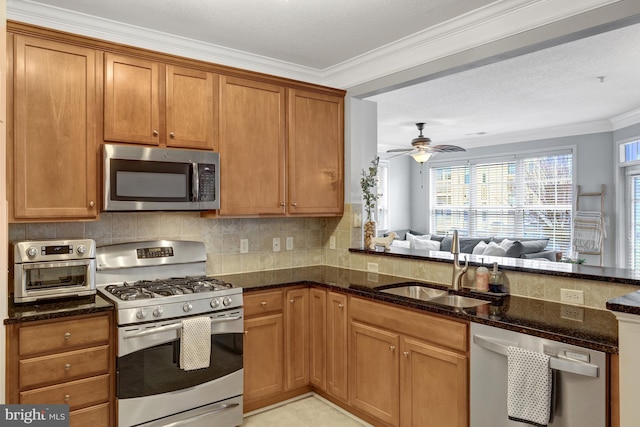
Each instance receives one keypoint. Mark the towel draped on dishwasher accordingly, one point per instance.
(530, 386)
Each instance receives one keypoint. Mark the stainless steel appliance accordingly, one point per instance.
(49, 269)
(580, 389)
(155, 286)
(160, 179)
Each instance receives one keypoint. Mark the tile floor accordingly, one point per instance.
(310, 411)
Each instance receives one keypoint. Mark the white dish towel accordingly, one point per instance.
(195, 343)
(530, 385)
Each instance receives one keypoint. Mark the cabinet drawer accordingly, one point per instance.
(77, 394)
(93, 416)
(263, 302)
(437, 330)
(60, 336)
(64, 366)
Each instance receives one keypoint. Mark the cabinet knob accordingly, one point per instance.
(263, 303)
(292, 301)
(246, 332)
(340, 306)
(406, 354)
(67, 397)
(392, 347)
(283, 204)
(172, 135)
(92, 203)
(155, 133)
(67, 335)
(294, 204)
(67, 366)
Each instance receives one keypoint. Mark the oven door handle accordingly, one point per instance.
(174, 326)
(190, 420)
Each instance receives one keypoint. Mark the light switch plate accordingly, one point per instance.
(332, 242)
(289, 246)
(244, 246)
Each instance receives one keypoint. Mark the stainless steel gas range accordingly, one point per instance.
(160, 288)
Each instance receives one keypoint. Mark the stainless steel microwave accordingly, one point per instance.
(160, 179)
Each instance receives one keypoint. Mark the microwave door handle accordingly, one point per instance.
(195, 180)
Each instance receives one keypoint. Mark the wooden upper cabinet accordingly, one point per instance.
(315, 153)
(54, 151)
(252, 147)
(131, 100)
(192, 119)
(150, 103)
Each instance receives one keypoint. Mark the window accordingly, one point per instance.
(383, 201)
(630, 152)
(632, 206)
(527, 196)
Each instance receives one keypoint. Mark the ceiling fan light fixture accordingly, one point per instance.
(421, 156)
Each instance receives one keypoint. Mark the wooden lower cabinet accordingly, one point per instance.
(65, 361)
(263, 356)
(318, 338)
(337, 346)
(297, 338)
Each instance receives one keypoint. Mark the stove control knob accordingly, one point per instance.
(187, 306)
(81, 249)
(226, 301)
(32, 251)
(141, 314)
(215, 303)
(157, 312)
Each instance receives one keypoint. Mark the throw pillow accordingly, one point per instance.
(429, 245)
(533, 246)
(494, 249)
(479, 248)
(411, 236)
(401, 244)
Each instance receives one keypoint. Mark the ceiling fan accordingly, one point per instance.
(423, 148)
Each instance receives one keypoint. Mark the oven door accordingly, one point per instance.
(53, 279)
(151, 385)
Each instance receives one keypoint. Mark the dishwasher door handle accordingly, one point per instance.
(557, 363)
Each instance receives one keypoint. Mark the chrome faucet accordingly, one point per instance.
(458, 270)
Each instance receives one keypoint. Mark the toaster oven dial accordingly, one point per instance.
(215, 303)
(226, 301)
(157, 312)
(141, 314)
(187, 306)
(81, 249)
(32, 251)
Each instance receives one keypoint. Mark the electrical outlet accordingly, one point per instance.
(357, 220)
(572, 313)
(332, 242)
(372, 267)
(289, 243)
(572, 296)
(276, 244)
(244, 246)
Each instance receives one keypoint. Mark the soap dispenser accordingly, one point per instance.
(495, 279)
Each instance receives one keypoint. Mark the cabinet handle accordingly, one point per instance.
(246, 332)
(294, 204)
(155, 133)
(92, 203)
(292, 301)
(406, 354)
(340, 306)
(67, 366)
(67, 397)
(392, 347)
(172, 135)
(283, 204)
(263, 303)
(67, 335)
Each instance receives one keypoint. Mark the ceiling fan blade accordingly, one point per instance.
(445, 148)
(400, 150)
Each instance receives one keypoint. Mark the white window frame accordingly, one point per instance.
(622, 205)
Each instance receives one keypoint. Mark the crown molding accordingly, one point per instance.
(496, 21)
(626, 119)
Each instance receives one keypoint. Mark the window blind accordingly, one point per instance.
(526, 196)
(633, 219)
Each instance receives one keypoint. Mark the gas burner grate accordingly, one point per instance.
(145, 289)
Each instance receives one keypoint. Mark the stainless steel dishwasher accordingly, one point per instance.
(579, 375)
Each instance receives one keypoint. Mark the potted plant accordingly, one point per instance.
(368, 182)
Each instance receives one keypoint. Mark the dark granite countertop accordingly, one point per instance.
(53, 309)
(595, 329)
(560, 269)
(629, 303)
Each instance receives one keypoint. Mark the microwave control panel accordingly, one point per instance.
(207, 183)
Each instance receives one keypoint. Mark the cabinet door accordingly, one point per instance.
(318, 338)
(131, 100)
(252, 144)
(55, 130)
(297, 339)
(337, 340)
(434, 386)
(191, 111)
(374, 372)
(263, 356)
(315, 153)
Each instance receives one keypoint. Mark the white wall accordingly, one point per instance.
(399, 192)
(594, 166)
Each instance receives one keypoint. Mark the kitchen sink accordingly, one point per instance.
(416, 292)
(458, 301)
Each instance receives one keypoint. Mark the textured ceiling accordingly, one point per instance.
(316, 34)
(555, 87)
